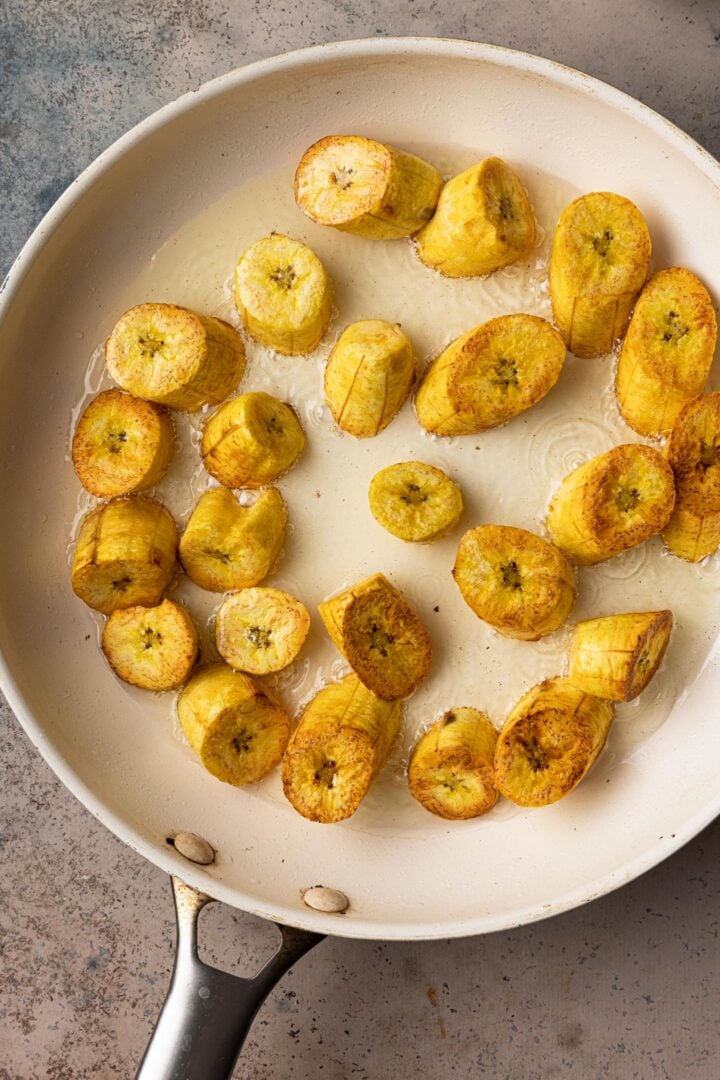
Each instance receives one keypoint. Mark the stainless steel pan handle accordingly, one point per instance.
(208, 1013)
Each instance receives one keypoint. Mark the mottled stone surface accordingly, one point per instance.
(627, 987)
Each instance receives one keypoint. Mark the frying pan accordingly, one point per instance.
(61, 297)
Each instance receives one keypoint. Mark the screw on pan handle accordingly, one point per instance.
(207, 1013)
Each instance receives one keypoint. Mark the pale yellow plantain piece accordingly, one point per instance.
(251, 441)
(514, 580)
(611, 503)
(380, 636)
(369, 375)
(121, 444)
(451, 771)
(175, 357)
(599, 262)
(261, 630)
(154, 648)
(364, 187)
(414, 501)
(483, 221)
(666, 356)
(228, 546)
(615, 657)
(125, 555)
(284, 295)
(339, 746)
(489, 375)
(549, 742)
(234, 725)
(693, 450)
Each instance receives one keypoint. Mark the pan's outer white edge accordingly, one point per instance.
(170, 861)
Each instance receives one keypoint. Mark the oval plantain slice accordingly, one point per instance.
(251, 441)
(228, 546)
(380, 636)
(451, 771)
(613, 502)
(483, 221)
(175, 357)
(283, 294)
(514, 580)
(340, 744)
(125, 555)
(489, 375)
(414, 501)
(368, 376)
(615, 657)
(549, 742)
(599, 262)
(154, 648)
(121, 444)
(693, 450)
(666, 356)
(364, 187)
(236, 728)
(261, 630)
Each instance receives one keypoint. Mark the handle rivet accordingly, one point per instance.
(193, 848)
(320, 898)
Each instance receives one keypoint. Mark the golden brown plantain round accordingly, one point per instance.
(380, 636)
(693, 450)
(154, 648)
(514, 580)
(451, 771)
(611, 503)
(615, 657)
(234, 725)
(667, 352)
(599, 262)
(122, 444)
(284, 295)
(339, 746)
(549, 742)
(175, 357)
(251, 441)
(364, 187)
(125, 555)
(368, 376)
(414, 501)
(483, 221)
(261, 630)
(489, 375)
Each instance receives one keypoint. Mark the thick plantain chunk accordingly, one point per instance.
(549, 742)
(363, 187)
(415, 501)
(489, 375)
(483, 221)
(338, 748)
(151, 647)
(380, 636)
(667, 352)
(175, 357)
(368, 376)
(283, 294)
(125, 555)
(261, 630)
(693, 450)
(251, 441)
(613, 502)
(616, 657)
(514, 580)
(236, 728)
(121, 444)
(228, 546)
(599, 262)
(451, 771)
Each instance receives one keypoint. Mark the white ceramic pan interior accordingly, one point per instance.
(226, 153)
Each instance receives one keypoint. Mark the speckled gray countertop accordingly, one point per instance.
(626, 987)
